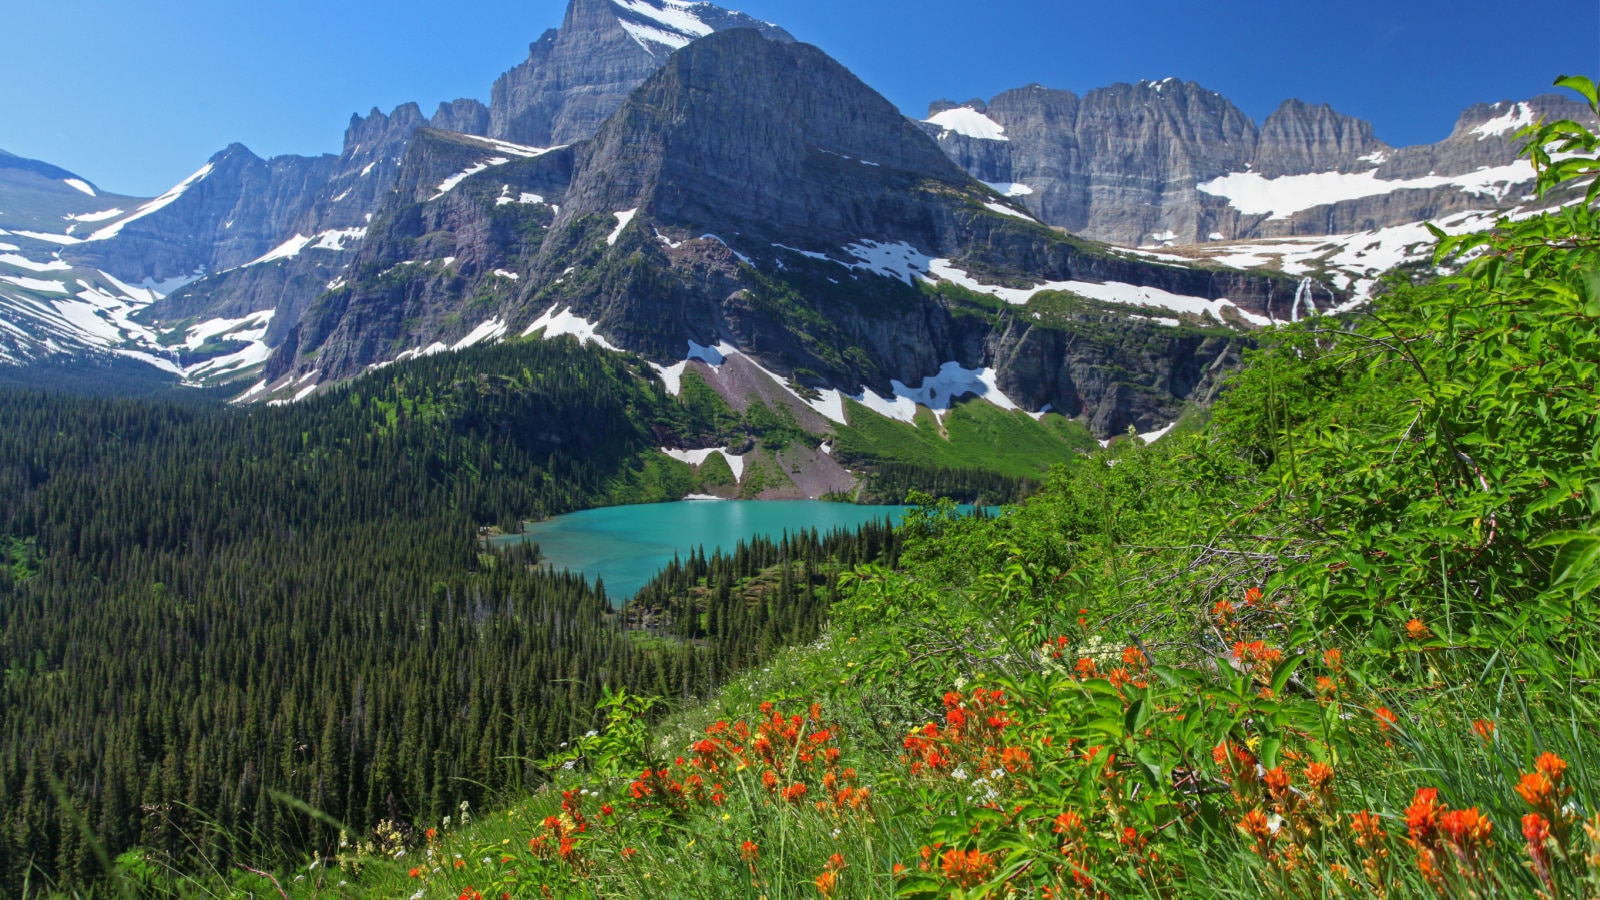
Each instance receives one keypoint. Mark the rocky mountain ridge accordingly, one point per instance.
(1171, 163)
(774, 216)
(757, 215)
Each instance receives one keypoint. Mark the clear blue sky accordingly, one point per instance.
(136, 95)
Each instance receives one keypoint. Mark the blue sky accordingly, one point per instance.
(135, 96)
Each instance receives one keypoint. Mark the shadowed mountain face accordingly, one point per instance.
(1170, 162)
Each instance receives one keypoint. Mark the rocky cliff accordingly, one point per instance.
(577, 76)
(1171, 162)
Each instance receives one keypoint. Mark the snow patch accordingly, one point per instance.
(806, 253)
(899, 260)
(699, 457)
(742, 258)
(79, 184)
(287, 250)
(671, 376)
(449, 184)
(66, 240)
(1356, 260)
(494, 329)
(1004, 210)
(1009, 188)
(35, 284)
(1150, 437)
(966, 121)
(334, 240)
(100, 216)
(505, 197)
(506, 147)
(509, 275)
(556, 324)
(230, 329)
(1518, 117)
(1107, 292)
(645, 36)
(623, 218)
(1280, 198)
(22, 262)
(673, 14)
(938, 392)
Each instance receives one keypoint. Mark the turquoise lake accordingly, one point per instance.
(627, 545)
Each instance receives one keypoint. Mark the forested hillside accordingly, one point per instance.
(214, 621)
(1339, 643)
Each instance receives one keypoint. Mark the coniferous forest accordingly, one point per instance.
(229, 635)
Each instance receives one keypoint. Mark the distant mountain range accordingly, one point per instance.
(684, 182)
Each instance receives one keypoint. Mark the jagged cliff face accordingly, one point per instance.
(577, 76)
(1170, 162)
(754, 196)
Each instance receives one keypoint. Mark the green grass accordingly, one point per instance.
(980, 436)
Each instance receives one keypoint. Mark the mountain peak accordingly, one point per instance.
(744, 133)
(577, 76)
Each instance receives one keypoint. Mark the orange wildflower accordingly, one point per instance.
(1536, 831)
(967, 868)
(1253, 596)
(1465, 828)
(1277, 781)
(1422, 816)
(749, 851)
(1320, 775)
(1483, 728)
(1257, 827)
(1537, 790)
(415, 873)
(1368, 829)
(1551, 765)
(1385, 717)
(1333, 659)
(1416, 630)
(826, 883)
(1069, 823)
(1133, 658)
(629, 852)
(1016, 759)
